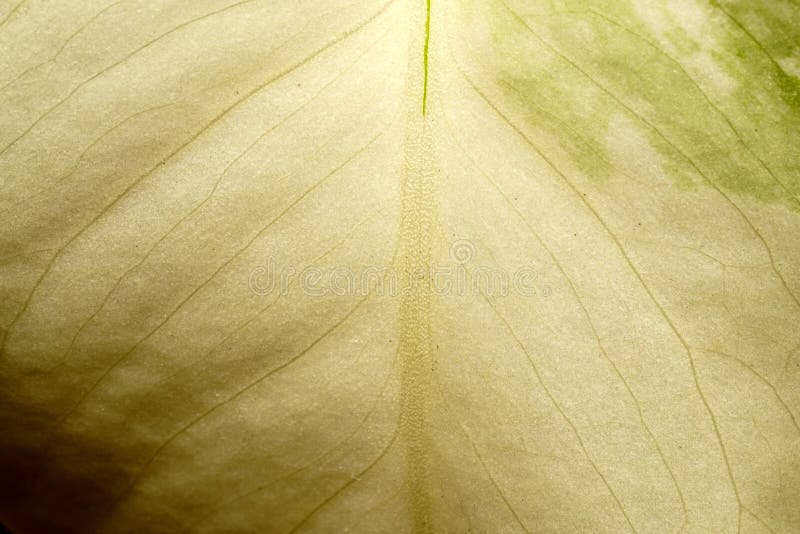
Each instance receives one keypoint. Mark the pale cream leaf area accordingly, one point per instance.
(579, 222)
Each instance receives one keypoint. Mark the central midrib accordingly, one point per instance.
(425, 56)
(418, 365)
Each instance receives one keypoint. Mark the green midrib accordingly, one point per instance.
(425, 57)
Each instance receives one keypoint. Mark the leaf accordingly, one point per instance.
(488, 266)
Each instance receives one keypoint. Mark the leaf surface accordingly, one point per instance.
(494, 266)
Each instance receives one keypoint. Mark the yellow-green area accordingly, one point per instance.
(715, 94)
